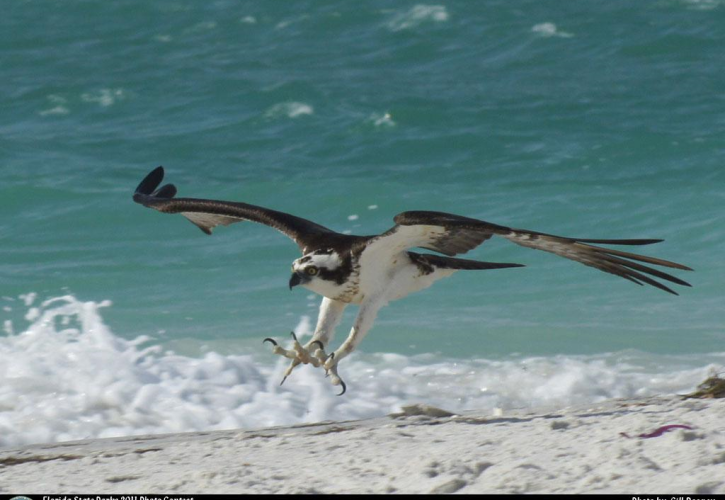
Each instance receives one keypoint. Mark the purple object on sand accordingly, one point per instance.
(661, 430)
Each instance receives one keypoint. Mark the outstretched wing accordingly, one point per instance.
(441, 232)
(452, 234)
(207, 214)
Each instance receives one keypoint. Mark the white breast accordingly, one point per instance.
(394, 278)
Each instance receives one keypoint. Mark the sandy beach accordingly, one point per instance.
(617, 446)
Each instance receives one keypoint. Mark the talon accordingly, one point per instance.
(337, 380)
(301, 354)
(327, 370)
(329, 360)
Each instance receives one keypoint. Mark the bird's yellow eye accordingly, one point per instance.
(312, 270)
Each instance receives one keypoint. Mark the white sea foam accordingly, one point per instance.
(58, 110)
(288, 22)
(28, 298)
(289, 109)
(418, 15)
(704, 4)
(67, 376)
(59, 107)
(549, 30)
(382, 120)
(104, 97)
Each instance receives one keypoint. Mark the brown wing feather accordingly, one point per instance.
(617, 262)
(441, 232)
(207, 214)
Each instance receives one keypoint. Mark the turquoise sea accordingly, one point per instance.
(584, 119)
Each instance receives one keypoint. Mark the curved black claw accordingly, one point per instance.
(344, 387)
(269, 340)
(327, 372)
(294, 336)
(319, 343)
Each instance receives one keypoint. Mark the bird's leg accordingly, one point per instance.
(314, 351)
(306, 354)
(332, 373)
(276, 349)
(299, 353)
(365, 318)
(303, 355)
(317, 351)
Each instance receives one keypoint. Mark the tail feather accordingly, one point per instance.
(620, 242)
(440, 262)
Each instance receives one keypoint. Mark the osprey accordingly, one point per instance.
(371, 271)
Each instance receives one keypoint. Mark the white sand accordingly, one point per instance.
(571, 450)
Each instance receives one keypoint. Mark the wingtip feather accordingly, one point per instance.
(147, 190)
(638, 242)
(151, 181)
(167, 191)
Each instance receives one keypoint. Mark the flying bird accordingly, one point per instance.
(371, 271)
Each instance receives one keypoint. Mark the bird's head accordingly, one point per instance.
(314, 269)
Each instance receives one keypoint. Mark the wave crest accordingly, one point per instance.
(67, 376)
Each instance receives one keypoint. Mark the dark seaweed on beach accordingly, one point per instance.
(712, 387)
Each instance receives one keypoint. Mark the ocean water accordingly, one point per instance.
(584, 119)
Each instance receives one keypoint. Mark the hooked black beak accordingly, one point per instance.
(294, 280)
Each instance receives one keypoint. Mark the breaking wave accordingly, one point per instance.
(66, 376)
